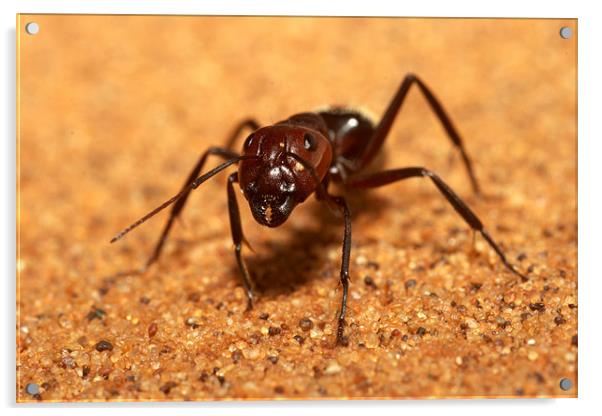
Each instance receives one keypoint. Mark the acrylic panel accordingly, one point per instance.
(114, 113)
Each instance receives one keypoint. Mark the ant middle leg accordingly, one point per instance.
(389, 176)
(179, 205)
(248, 123)
(224, 152)
(382, 129)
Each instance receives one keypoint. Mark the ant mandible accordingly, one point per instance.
(283, 164)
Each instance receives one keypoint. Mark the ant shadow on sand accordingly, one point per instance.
(299, 255)
(295, 257)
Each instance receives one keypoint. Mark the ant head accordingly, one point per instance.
(275, 182)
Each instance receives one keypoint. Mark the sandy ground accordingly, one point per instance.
(114, 112)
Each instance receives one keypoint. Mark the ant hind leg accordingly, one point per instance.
(389, 176)
(382, 129)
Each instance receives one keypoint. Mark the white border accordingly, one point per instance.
(590, 157)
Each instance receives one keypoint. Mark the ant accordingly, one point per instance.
(283, 164)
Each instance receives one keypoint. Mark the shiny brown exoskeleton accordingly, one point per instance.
(283, 164)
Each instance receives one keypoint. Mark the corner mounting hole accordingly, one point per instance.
(566, 32)
(32, 28)
(566, 384)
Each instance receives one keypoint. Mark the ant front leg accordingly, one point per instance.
(238, 238)
(341, 204)
(382, 129)
(394, 175)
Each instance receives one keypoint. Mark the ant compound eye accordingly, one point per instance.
(309, 142)
(248, 142)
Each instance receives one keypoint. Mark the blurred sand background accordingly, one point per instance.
(114, 111)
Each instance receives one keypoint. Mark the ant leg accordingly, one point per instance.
(390, 176)
(177, 208)
(341, 204)
(249, 123)
(238, 238)
(383, 127)
(179, 205)
(192, 185)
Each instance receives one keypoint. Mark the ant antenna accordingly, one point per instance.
(193, 185)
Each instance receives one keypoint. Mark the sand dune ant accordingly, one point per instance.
(283, 164)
